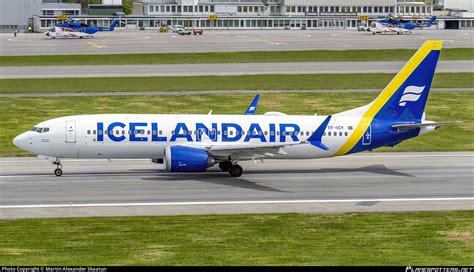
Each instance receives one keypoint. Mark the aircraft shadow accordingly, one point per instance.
(218, 178)
(376, 169)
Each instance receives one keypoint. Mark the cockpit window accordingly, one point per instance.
(40, 129)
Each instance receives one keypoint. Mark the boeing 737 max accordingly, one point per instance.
(194, 142)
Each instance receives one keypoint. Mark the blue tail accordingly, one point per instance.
(402, 101)
(431, 21)
(114, 24)
(405, 96)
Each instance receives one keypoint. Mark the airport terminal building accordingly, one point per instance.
(260, 14)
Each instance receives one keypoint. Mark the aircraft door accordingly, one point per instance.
(70, 131)
(367, 138)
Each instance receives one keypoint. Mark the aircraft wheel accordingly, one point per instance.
(225, 166)
(373, 33)
(58, 172)
(236, 171)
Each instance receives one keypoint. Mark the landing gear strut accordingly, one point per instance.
(225, 166)
(58, 171)
(235, 170)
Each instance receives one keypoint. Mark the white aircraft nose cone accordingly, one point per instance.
(21, 141)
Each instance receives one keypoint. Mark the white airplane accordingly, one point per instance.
(64, 32)
(195, 142)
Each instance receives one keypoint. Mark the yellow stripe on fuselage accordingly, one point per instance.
(385, 95)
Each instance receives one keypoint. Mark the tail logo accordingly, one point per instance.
(411, 94)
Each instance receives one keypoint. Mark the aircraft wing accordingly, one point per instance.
(409, 126)
(253, 106)
(245, 150)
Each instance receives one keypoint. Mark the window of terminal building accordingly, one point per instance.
(48, 12)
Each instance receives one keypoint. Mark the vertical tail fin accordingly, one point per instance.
(114, 24)
(405, 96)
(431, 21)
(403, 99)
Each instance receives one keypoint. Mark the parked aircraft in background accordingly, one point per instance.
(62, 32)
(73, 29)
(195, 142)
(88, 29)
(397, 25)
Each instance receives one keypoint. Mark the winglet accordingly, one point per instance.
(316, 138)
(253, 106)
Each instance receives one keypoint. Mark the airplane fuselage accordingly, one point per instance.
(147, 135)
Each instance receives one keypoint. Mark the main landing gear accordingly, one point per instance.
(234, 169)
(58, 171)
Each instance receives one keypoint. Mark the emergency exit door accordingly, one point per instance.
(70, 131)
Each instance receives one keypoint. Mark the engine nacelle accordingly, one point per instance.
(186, 159)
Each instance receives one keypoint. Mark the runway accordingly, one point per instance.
(76, 94)
(362, 182)
(222, 69)
(128, 42)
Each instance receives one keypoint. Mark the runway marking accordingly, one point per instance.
(96, 45)
(236, 202)
(268, 42)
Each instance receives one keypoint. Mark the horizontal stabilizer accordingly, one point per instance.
(415, 126)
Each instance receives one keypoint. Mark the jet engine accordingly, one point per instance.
(187, 159)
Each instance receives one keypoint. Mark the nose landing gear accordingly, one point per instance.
(58, 171)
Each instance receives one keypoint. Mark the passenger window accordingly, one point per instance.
(225, 132)
(161, 132)
(94, 132)
(266, 133)
(231, 132)
(45, 130)
(117, 132)
(218, 132)
(88, 132)
(243, 132)
(172, 132)
(340, 133)
(307, 133)
(278, 133)
(272, 133)
(329, 133)
(33, 129)
(99, 132)
(123, 132)
(346, 134)
(148, 132)
(324, 133)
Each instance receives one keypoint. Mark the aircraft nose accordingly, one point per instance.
(21, 141)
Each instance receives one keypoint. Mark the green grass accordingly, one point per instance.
(232, 57)
(20, 114)
(251, 82)
(413, 238)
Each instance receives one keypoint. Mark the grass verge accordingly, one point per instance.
(232, 57)
(408, 238)
(251, 82)
(20, 114)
